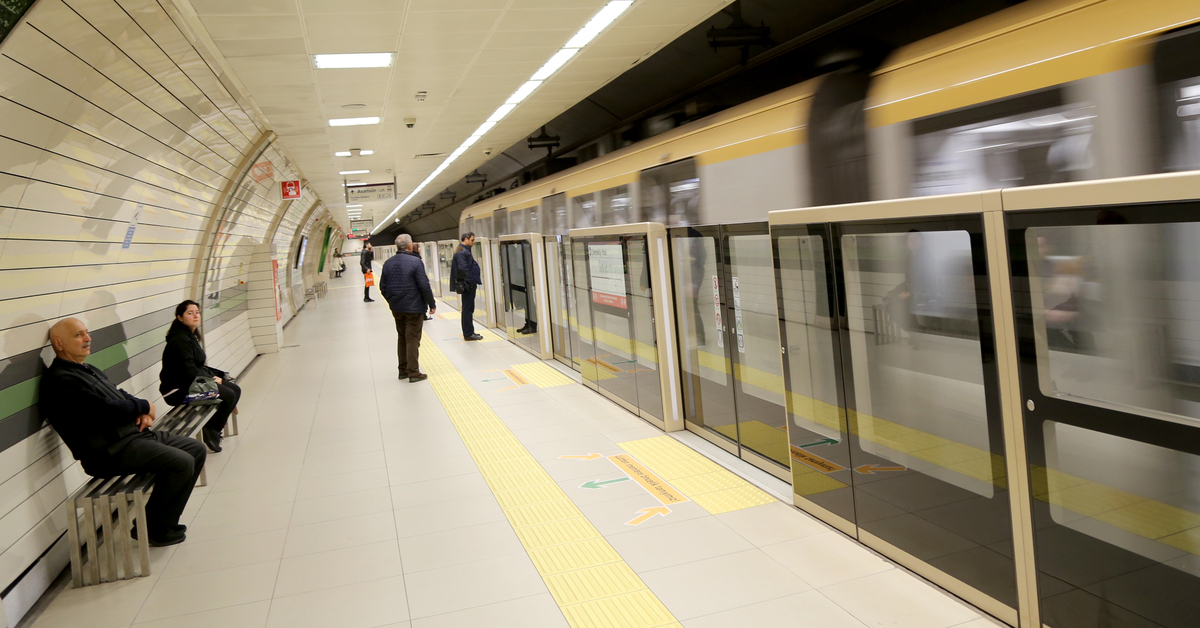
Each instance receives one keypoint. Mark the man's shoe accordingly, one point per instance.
(428, 318)
(473, 337)
(211, 439)
(368, 300)
(419, 377)
(179, 527)
(170, 538)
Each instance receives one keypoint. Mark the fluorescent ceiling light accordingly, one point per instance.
(610, 12)
(523, 92)
(366, 152)
(354, 172)
(559, 59)
(594, 27)
(354, 121)
(483, 129)
(352, 206)
(501, 112)
(342, 153)
(356, 60)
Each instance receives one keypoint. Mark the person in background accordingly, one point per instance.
(364, 263)
(339, 264)
(405, 285)
(183, 361)
(464, 277)
(106, 430)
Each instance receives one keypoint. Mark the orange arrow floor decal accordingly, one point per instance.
(648, 513)
(870, 469)
(587, 457)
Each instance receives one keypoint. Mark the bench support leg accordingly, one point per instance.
(108, 560)
(139, 504)
(92, 575)
(124, 538)
(73, 539)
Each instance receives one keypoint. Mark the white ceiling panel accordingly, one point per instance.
(241, 7)
(275, 27)
(468, 56)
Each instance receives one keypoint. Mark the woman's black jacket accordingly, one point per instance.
(182, 362)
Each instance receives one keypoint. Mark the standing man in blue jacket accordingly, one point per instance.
(405, 285)
(464, 278)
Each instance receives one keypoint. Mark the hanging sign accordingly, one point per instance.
(737, 316)
(370, 192)
(290, 190)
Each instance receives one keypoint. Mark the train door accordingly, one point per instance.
(729, 341)
(483, 302)
(558, 283)
(1104, 299)
(895, 429)
(523, 279)
(625, 341)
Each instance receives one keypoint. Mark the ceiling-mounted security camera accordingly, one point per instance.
(487, 151)
(410, 122)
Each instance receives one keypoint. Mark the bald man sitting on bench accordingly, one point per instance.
(107, 431)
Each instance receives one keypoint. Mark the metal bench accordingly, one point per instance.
(113, 554)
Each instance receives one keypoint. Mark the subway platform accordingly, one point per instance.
(500, 492)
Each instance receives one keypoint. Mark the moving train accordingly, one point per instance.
(951, 301)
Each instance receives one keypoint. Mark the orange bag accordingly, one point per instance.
(370, 279)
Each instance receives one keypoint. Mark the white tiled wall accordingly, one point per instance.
(109, 111)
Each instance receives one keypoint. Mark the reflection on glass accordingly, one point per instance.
(641, 305)
(707, 393)
(612, 322)
(1050, 145)
(616, 206)
(445, 253)
(931, 383)
(520, 290)
(583, 352)
(670, 194)
(753, 312)
(559, 288)
(554, 215)
(583, 211)
(821, 466)
(1115, 314)
(481, 295)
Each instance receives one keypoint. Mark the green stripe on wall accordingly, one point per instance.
(16, 398)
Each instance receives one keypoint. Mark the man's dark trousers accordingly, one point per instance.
(468, 312)
(408, 341)
(175, 461)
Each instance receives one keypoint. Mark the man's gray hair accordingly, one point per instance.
(403, 241)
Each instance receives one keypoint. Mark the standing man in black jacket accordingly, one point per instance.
(405, 285)
(464, 277)
(364, 264)
(107, 431)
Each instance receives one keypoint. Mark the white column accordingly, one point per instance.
(265, 325)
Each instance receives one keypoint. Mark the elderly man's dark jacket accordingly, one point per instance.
(405, 285)
(90, 414)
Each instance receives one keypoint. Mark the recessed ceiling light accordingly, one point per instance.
(523, 92)
(350, 206)
(354, 105)
(355, 60)
(354, 172)
(559, 59)
(353, 121)
(342, 153)
(367, 152)
(606, 16)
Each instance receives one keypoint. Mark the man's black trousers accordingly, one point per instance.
(175, 461)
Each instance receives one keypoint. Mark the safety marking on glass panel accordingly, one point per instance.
(713, 487)
(542, 374)
(590, 582)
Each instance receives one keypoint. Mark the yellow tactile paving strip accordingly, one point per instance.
(542, 375)
(451, 315)
(710, 485)
(488, 335)
(589, 581)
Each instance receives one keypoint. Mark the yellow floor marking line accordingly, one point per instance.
(710, 485)
(661, 491)
(590, 582)
(760, 437)
(450, 316)
(542, 374)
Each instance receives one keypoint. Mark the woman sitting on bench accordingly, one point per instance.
(183, 361)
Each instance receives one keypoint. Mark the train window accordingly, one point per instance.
(1114, 314)
(516, 221)
(1177, 72)
(1028, 140)
(616, 206)
(583, 211)
(671, 194)
(554, 215)
(468, 226)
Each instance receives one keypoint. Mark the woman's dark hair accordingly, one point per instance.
(179, 310)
